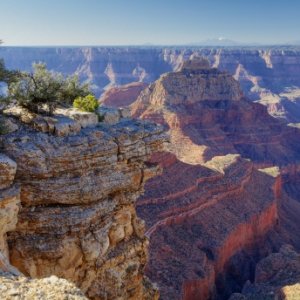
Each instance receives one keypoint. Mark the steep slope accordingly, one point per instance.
(78, 192)
(211, 213)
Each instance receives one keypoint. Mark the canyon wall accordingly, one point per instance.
(221, 203)
(269, 75)
(77, 218)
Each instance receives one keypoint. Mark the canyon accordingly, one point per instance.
(228, 187)
(269, 75)
(203, 172)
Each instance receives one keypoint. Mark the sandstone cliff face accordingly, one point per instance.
(78, 218)
(219, 197)
(269, 75)
(9, 207)
(21, 287)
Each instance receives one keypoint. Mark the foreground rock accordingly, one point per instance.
(9, 208)
(217, 208)
(78, 218)
(12, 287)
(8, 170)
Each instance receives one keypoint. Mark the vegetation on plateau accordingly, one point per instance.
(88, 103)
(6, 77)
(42, 90)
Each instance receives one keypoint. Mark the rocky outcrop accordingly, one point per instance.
(208, 116)
(220, 195)
(9, 207)
(13, 287)
(8, 170)
(78, 218)
(266, 74)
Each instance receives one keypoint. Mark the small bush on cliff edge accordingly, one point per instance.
(42, 90)
(72, 89)
(6, 77)
(88, 103)
(3, 129)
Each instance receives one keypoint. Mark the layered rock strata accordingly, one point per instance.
(220, 195)
(9, 208)
(78, 218)
(199, 218)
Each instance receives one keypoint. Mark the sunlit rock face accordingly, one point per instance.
(9, 208)
(78, 191)
(21, 287)
(217, 205)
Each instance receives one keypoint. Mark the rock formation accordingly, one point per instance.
(266, 74)
(9, 208)
(78, 192)
(219, 205)
(13, 287)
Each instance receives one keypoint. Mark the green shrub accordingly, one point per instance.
(42, 91)
(37, 91)
(3, 129)
(72, 89)
(88, 103)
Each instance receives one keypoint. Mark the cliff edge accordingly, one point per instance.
(75, 183)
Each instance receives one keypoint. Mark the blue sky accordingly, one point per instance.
(132, 22)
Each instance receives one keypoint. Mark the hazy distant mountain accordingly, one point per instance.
(294, 43)
(217, 42)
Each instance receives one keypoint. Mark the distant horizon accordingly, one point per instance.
(158, 22)
(191, 45)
